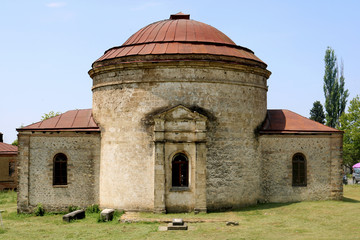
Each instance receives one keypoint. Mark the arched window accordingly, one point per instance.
(180, 171)
(60, 169)
(299, 170)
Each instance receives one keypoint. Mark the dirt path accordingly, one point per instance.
(129, 217)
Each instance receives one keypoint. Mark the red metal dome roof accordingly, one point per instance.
(179, 35)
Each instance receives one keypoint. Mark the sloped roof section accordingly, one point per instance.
(179, 35)
(74, 120)
(7, 149)
(285, 121)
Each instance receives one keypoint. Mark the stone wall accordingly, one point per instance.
(323, 153)
(230, 96)
(35, 166)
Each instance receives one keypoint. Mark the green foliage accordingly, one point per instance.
(118, 214)
(49, 115)
(93, 209)
(15, 143)
(73, 208)
(39, 211)
(350, 124)
(334, 89)
(317, 112)
(100, 219)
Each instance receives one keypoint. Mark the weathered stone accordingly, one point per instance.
(83, 152)
(78, 214)
(177, 227)
(232, 223)
(107, 214)
(177, 222)
(319, 150)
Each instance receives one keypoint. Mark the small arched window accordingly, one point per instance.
(60, 169)
(180, 171)
(299, 170)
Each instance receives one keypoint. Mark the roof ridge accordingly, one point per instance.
(60, 115)
(91, 116)
(77, 112)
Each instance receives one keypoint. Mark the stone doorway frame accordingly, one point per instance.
(175, 130)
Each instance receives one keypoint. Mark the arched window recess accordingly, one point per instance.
(180, 170)
(60, 170)
(299, 177)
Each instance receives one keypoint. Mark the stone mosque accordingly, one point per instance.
(179, 123)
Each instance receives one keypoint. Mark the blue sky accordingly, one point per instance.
(47, 47)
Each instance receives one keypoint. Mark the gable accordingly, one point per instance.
(180, 113)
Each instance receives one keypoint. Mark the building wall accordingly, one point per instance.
(324, 174)
(35, 166)
(8, 173)
(234, 101)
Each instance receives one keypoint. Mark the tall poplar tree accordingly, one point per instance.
(334, 89)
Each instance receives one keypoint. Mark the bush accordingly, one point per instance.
(40, 211)
(73, 208)
(93, 209)
(100, 219)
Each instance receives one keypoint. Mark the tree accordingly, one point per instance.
(15, 143)
(334, 89)
(317, 112)
(350, 124)
(49, 115)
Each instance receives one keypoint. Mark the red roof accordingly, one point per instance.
(7, 149)
(179, 35)
(285, 121)
(74, 120)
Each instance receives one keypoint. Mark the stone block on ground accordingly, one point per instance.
(177, 224)
(177, 221)
(231, 223)
(107, 214)
(171, 226)
(78, 214)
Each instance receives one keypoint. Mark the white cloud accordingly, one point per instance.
(56, 4)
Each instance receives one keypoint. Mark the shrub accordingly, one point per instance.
(93, 208)
(100, 219)
(39, 211)
(73, 208)
(118, 214)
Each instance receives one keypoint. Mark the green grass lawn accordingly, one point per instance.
(304, 220)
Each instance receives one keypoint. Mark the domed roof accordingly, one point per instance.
(179, 35)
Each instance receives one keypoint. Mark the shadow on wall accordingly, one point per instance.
(275, 120)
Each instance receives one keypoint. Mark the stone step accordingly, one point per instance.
(107, 214)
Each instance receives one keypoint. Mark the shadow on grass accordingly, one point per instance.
(264, 206)
(350, 200)
(260, 206)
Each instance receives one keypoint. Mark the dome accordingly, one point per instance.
(179, 35)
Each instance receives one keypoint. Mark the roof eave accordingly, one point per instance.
(59, 129)
(9, 153)
(299, 132)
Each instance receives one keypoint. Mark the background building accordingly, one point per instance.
(8, 171)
